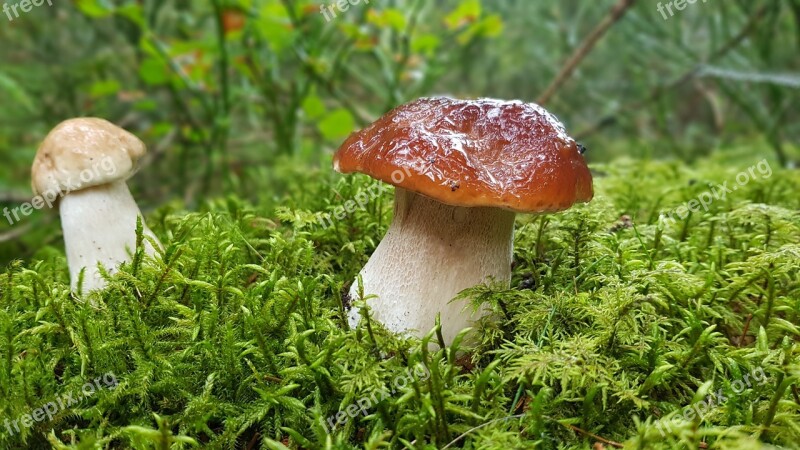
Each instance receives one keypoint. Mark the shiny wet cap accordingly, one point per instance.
(485, 152)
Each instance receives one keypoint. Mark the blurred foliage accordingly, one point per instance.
(220, 87)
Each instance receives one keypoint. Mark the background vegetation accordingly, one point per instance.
(234, 337)
(225, 91)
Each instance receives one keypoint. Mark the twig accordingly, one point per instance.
(253, 441)
(686, 76)
(14, 234)
(586, 46)
(464, 434)
(750, 316)
(746, 329)
(13, 197)
(592, 435)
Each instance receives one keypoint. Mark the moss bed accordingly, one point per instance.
(626, 324)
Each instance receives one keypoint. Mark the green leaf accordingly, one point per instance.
(146, 104)
(391, 17)
(274, 445)
(94, 8)
(161, 129)
(491, 26)
(395, 19)
(313, 107)
(104, 88)
(762, 343)
(153, 72)
(337, 124)
(425, 44)
(16, 92)
(273, 25)
(467, 12)
(702, 391)
(132, 12)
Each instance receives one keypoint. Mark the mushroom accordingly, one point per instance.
(462, 169)
(83, 164)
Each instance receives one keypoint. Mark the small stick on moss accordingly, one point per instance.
(746, 329)
(592, 435)
(253, 441)
(466, 433)
(750, 316)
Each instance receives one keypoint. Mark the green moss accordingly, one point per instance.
(235, 335)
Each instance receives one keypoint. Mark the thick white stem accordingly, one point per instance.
(99, 226)
(430, 253)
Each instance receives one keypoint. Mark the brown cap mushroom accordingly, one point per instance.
(475, 163)
(84, 163)
(486, 152)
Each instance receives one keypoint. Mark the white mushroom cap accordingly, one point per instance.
(78, 146)
(85, 162)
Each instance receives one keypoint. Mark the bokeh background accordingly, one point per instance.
(251, 97)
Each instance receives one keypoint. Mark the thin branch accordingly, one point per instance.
(586, 46)
(464, 434)
(14, 197)
(593, 436)
(16, 233)
(686, 76)
(745, 330)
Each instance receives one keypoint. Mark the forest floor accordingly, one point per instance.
(664, 314)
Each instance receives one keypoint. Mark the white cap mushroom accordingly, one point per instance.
(85, 162)
(462, 169)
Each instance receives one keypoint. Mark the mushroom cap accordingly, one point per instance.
(485, 152)
(82, 153)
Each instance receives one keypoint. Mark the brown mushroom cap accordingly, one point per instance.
(81, 153)
(486, 152)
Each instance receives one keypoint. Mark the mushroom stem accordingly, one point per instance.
(99, 225)
(431, 252)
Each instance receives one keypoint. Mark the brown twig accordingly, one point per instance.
(14, 234)
(686, 76)
(609, 442)
(273, 379)
(14, 197)
(750, 316)
(746, 329)
(252, 444)
(594, 436)
(464, 434)
(586, 46)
